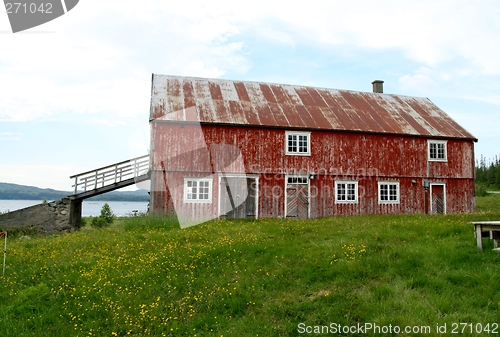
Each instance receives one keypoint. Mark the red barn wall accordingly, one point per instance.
(368, 158)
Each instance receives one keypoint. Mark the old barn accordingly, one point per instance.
(247, 149)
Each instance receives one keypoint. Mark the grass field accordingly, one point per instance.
(490, 203)
(146, 277)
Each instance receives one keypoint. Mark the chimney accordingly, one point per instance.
(378, 86)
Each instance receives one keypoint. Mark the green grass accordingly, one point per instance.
(490, 202)
(144, 276)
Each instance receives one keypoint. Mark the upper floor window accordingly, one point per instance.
(437, 150)
(388, 192)
(197, 190)
(298, 143)
(346, 192)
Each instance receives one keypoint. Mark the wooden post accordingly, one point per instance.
(75, 213)
(479, 235)
(495, 235)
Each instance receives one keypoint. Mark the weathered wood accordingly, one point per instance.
(75, 213)
(108, 188)
(479, 237)
(492, 226)
(115, 175)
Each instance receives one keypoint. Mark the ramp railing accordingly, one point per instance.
(110, 175)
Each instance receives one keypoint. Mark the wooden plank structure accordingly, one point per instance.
(491, 228)
(111, 177)
(105, 179)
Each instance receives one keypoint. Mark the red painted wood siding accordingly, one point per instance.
(367, 158)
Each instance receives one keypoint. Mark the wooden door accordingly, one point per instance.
(297, 201)
(438, 199)
(238, 197)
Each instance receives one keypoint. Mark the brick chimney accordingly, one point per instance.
(378, 86)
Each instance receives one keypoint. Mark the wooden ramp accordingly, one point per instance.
(110, 178)
(105, 179)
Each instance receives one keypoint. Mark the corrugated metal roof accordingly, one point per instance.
(186, 99)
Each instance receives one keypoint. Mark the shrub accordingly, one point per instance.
(99, 222)
(481, 191)
(105, 219)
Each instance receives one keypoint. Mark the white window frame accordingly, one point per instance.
(298, 133)
(388, 183)
(197, 180)
(437, 142)
(356, 193)
(297, 180)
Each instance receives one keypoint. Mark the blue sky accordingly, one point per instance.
(75, 92)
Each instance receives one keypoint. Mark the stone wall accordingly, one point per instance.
(48, 218)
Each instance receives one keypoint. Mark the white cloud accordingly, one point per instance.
(100, 58)
(100, 61)
(422, 81)
(10, 136)
(431, 32)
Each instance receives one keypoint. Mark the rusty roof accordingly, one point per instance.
(218, 101)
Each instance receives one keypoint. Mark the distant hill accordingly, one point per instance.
(22, 192)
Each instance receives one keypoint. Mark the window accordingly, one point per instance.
(297, 180)
(197, 190)
(346, 192)
(388, 192)
(298, 143)
(437, 150)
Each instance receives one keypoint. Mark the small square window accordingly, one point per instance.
(297, 180)
(197, 190)
(346, 192)
(437, 150)
(297, 143)
(388, 192)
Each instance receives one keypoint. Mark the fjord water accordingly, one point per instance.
(89, 208)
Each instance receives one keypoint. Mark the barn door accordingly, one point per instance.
(237, 198)
(297, 197)
(438, 199)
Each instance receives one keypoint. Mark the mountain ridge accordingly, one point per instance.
(9, 191)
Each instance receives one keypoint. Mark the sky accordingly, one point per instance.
(75, 92)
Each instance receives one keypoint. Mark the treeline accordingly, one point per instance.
(21, 195)
(488, 172)
(21, 192)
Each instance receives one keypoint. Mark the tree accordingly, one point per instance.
(490, 174)
(497, 177)
(481, 170)
(107, 213)
(105, 219)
